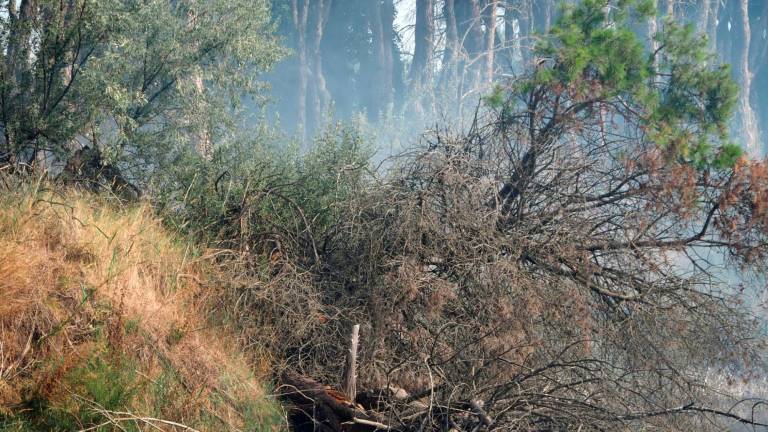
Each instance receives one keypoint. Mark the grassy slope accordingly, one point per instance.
(103, 315)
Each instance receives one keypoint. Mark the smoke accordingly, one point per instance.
(366, 51)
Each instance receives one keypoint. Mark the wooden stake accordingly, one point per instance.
(350, 378)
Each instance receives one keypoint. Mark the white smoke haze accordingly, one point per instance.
(410, 88)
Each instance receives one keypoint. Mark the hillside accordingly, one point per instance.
(104, 325)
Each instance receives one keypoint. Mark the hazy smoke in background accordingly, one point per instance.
(396, 67)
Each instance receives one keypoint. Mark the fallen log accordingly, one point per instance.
(316, 407)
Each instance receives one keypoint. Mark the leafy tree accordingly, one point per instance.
(135, 81)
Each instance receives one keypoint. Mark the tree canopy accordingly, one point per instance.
(135, 81)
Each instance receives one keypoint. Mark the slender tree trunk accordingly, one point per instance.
(7, 76)
(512, 51)
(376, 24)
(670, 8)
(13, 18)
(322, 98)
(653, 28)
(713, 19)
(18, 45)
(542, 15)
(702, 18)
(525, 17)
(451, 36)
(350, 375)
(387, 53)
(203, 143)
(11, 6)
(477, 38)
(424, 40)
(468, 26)
(490, 40)
(749, 124)
(653, 22)
(299, 13)
(201, 136)
(469, 22)
(452, 54)
(18, 70)
(507, 52)
(381, 23)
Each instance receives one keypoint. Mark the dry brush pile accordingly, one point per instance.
(558, 266)
(586, 300)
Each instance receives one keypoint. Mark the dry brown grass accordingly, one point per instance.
(80, 278)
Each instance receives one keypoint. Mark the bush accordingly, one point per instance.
(262, 198)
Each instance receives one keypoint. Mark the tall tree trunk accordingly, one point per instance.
(18, 49)
(381, 23)
(201, 134)
(478, 43)
(490, 40)
(749, 124)
(18, 74)
(6, 92)
(653, 28)
(13, 18)
(451, 52)
(451, 32)
(469, 22)
(322, 98)
(508, 51)
(513, 32)
(702, 18)
(299, 13)
(469, 25)
(203, 143)
(712, 21)
(388, 48)
(424, 40)
(671, 8)
(542, 15)
(524, 12)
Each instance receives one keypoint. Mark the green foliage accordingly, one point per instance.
(496, 98)
(329, 173)
(679, 99)
(108, 380)
(140, 81)
(11, 424)
(586, 46)
(251, 190)
(258, 414)
(103, 381)
(174, 336)
(692, 110)
(728, 156)
(131, 326)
